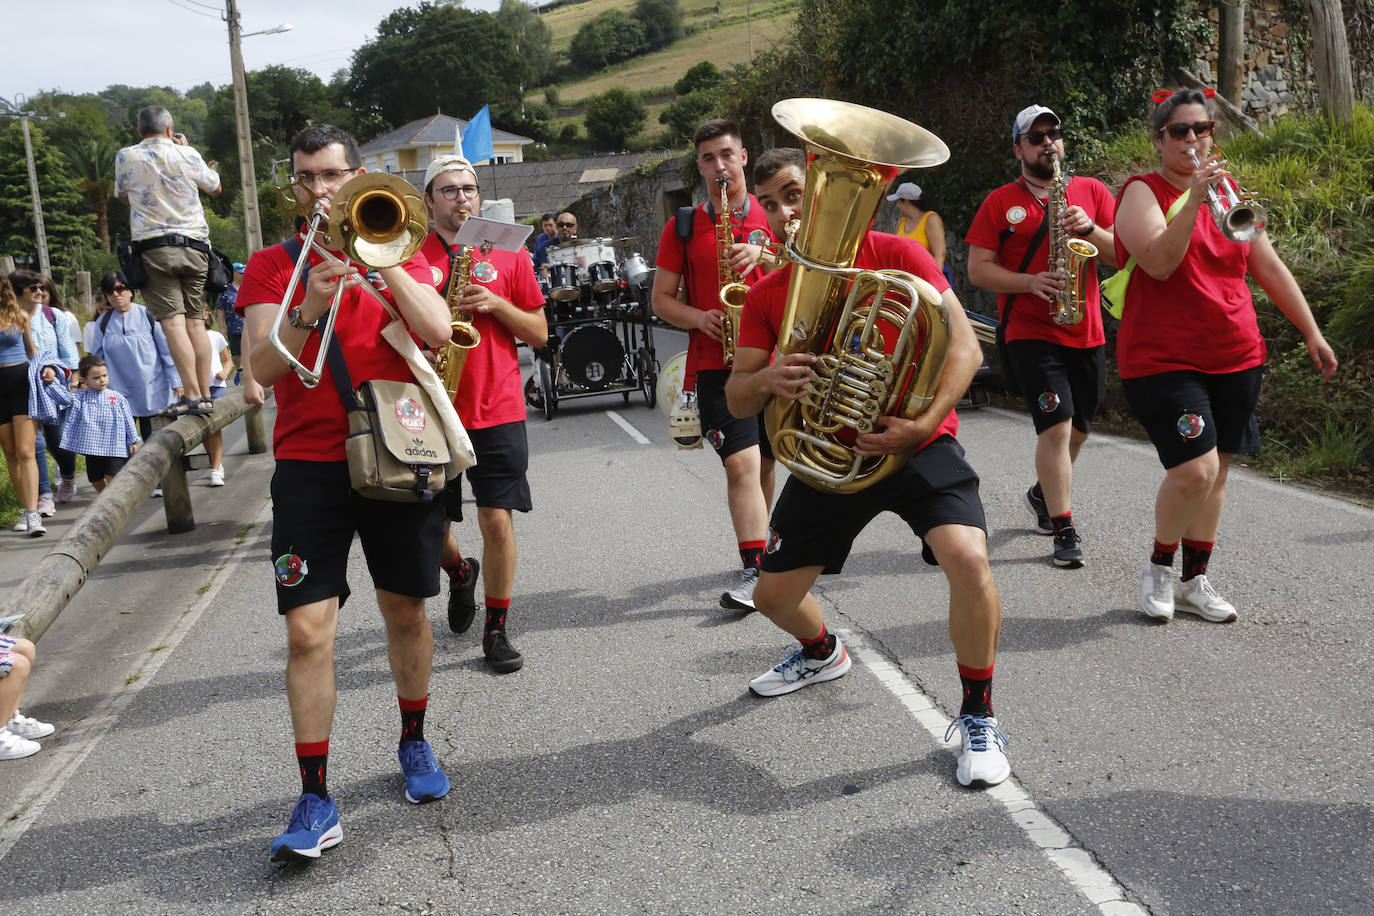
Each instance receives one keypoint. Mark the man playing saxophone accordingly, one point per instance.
(1052, 322)
(503, 302)
(935, 492)
(690, 257)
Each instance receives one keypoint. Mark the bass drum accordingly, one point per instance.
(670, 376)
(592, 356)
(563, 282)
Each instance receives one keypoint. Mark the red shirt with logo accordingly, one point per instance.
(700, 273)
(1202, 317)
(311, 424)
(767, 300)
(1005, 223)
(489, 392)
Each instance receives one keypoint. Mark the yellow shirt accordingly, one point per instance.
(918, 233)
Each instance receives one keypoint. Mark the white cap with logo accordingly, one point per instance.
(448, 162)
(906, 191)
(1028, 116)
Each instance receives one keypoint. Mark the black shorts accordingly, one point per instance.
(1187, 414)
(813, 528)
(315, 513)
(98, 467)
(498, 478)
(235, 342)
(14, 392)
(1059, 383)
(722, 430)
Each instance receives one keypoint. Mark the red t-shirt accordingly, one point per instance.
(702, 279)
(1202, 318)
(489, 392)
(1005, 223)
(311, 423)
(767, 300)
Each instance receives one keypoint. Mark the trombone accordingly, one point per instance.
(376, 219)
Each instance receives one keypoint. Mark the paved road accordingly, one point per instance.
(1187, 768)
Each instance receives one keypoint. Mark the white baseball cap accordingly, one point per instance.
(906, 191)
(1028, 116)
(446, 163)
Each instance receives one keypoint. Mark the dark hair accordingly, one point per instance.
(107, 282)
(719, 127)
(547, 216)
(1165, 109)
(317, 136)
(88, 362)
(775, 160)
(22, 279)
(54, 297)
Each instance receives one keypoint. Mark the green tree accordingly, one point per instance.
(606, 39)
(687, 113)
(613, 117)
(67, 229)
(702, 75)
(532, 36)
(662, 21)
(92, 162)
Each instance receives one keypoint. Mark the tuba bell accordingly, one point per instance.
(846, 316)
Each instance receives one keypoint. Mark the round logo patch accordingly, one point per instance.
(290, 570)
(1049, 402)
(411, 414)
(484, 272)
(436, 275)
(715, 437)
(1190, 425)
(1016, 214)
(774, 541)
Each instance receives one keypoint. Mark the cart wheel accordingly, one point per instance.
(546, 381)
(648, 378)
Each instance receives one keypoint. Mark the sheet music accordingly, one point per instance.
(505, 236)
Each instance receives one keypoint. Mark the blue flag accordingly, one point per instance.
(477, 138)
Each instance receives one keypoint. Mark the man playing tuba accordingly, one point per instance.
(935, 492)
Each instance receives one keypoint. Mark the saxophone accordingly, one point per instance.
(453, 355)
(1071, 258)
(732, 291)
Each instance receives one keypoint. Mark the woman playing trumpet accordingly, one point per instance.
(1189, 350)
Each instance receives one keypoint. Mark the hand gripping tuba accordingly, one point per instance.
(846, 316)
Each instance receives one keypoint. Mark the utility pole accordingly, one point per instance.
(39, 232)
(252, 225)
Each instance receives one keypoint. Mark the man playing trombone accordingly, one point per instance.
(315, 512)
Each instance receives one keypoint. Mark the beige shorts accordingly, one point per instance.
(176, 282)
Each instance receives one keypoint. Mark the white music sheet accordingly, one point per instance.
(505, 236)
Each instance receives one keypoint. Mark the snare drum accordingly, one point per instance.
(592, 356)
(563, 282)
(601, 276)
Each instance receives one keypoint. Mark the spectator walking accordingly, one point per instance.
(99, 424)
(135, 352)
(233, 322)
(51, 337)
(16, 427)
(220, 367)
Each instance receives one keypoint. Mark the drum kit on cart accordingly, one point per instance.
(600, 326)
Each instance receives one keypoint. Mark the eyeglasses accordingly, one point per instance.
(328, 176)
(1037, 137)
(567, 225)
(452, 191)
(1180, 130)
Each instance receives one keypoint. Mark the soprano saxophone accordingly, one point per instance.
(1071, 258)
(732, 291)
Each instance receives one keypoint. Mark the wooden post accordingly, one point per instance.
(6, 265)
(83, 292)
(257, 435)
(1331, 60)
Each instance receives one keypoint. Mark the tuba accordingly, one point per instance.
(846, 316)
(1239, 219)
(732, 291)
(1070, 258)
(375, 219)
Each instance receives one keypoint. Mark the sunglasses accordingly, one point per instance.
(1037, 137)
(1180, 130)
(567, 225)
(118, 289)
(36, 287)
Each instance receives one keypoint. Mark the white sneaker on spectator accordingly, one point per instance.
(36, 529)
(66, 489)
(12, 747)
(216, 477)
(157, 492)
(28, 727)
(23, 523)
(45, 505)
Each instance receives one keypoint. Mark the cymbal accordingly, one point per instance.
(628, 238)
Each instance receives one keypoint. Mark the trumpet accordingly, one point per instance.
(378, 220)
(1240, 220)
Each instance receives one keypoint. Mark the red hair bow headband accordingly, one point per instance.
(1163, 94)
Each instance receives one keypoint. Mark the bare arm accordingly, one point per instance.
(529, 326)
(1277, 281)
(1158, 246)
(984, 271)
(753, 381)
(935, 235)
(420, 305)
(678, 313)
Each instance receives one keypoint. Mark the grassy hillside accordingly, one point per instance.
(564, 21)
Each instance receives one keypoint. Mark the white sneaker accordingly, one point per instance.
(1157, 591)
(66, 489)
(797, 671)
(36, 529)
(28, 727)
(157, 492)
(741, 597)
(982, 762)
(23, 523)
(1197, 596)
(12, 747)
(216, 477)
(45, 505)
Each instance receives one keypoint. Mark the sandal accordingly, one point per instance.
(203, 407)
(178, 409)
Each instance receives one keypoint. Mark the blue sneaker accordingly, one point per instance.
(314, 828)
(424, 780)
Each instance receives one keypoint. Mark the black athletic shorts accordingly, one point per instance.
(814, 528)
(14, 392)
(98, 467)
(1059, 383)
(722, 430)
(498, 478)
(1187, 414)
(315, 513)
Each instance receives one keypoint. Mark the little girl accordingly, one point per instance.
(99, 423)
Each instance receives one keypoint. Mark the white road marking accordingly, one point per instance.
(625, 425)
(1076, 863)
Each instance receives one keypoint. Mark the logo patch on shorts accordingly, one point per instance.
(774, 543)
(715, 437)
(291, 570)
(1016, 214)
(1049, 402)
(411, 414)
(1190, 425)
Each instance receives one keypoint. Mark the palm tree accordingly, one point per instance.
(93, 162)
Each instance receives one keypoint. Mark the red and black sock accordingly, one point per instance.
(1163, 554)
(313, 757)
(751, 553)
(497, 608)
(1061, 522)
(822, 647)
(977, 691)
(413, 718)
(456, 568)
(1196, 554)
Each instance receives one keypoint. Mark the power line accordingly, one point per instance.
(189, 10)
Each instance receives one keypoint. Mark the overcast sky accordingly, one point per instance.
(85, 45)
